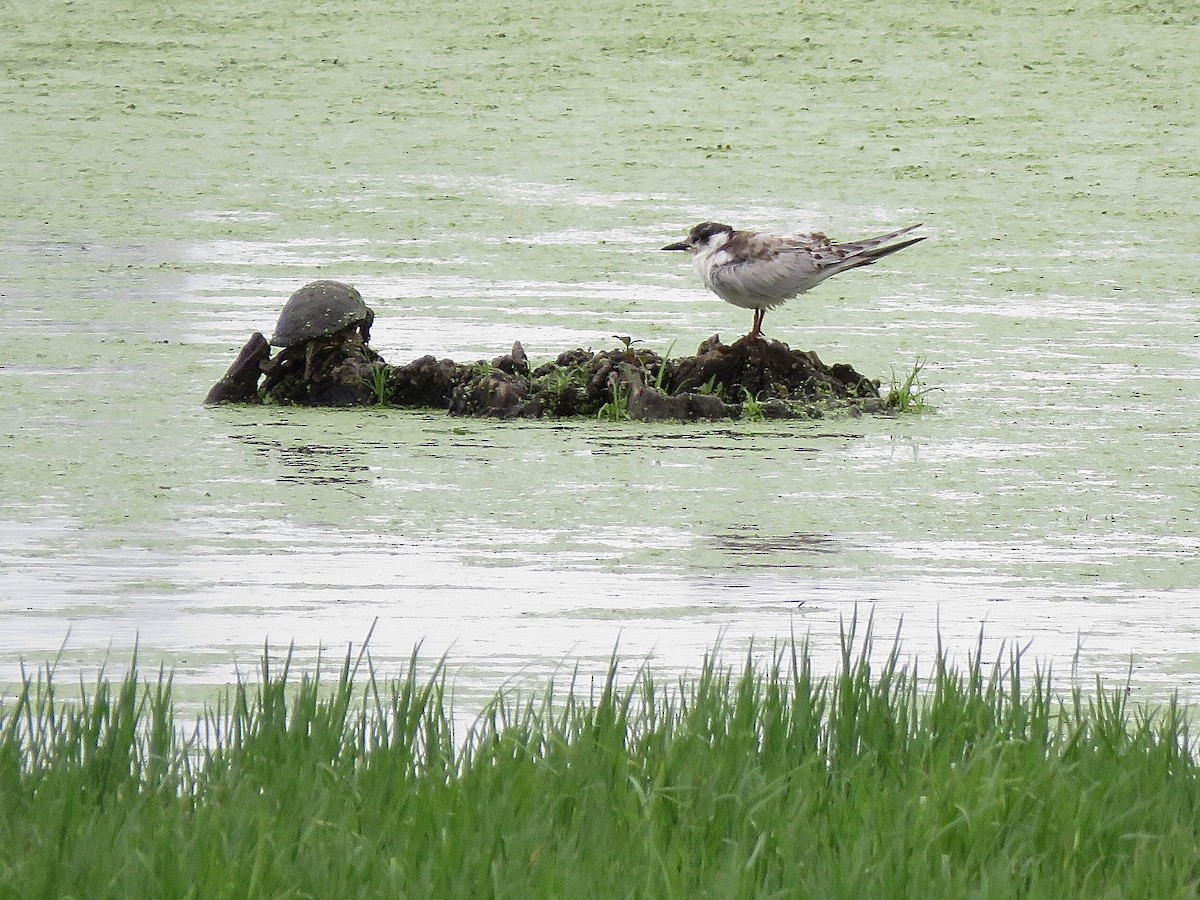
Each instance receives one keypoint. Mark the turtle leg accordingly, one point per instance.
(309, 353)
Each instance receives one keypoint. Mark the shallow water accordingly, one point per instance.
(490, 175)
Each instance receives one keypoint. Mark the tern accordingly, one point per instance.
(760, 271)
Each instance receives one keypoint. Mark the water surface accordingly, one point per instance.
(491, 174)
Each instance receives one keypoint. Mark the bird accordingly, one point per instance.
(760, 271)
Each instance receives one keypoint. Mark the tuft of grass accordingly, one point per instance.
(616, 409)
(560, 382)
(752, 408)
(760, 780)
(908, 394)
(377, 380)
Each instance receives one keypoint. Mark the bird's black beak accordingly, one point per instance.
(682, 245)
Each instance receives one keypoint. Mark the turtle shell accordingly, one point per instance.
(318, 309)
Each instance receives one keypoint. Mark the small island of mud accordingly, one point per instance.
(751, 379)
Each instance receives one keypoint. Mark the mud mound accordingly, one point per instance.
(747, 379)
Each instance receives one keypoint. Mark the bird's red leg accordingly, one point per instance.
(756, 331)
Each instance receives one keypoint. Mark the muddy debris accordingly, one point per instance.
(759, 380)
(748, 379)
(240, 383)
(334, 370)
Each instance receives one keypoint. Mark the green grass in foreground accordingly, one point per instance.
(753, 783)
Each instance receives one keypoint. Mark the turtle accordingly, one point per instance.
(320, 309)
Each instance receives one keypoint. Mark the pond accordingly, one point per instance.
(495, 173)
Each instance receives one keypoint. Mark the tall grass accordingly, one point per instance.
(907, 394)
(877, 781)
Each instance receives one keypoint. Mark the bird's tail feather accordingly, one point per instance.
(868, 243)
(873, 253)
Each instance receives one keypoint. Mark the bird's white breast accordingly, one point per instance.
(756, 282)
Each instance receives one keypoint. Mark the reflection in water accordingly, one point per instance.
(749, 541)
(312, 463)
